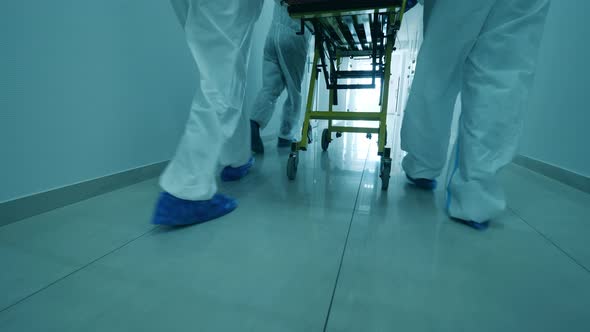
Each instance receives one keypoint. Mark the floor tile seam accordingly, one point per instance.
(342, 256)
(550, 240)
(62, 278)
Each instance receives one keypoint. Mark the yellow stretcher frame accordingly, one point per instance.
(395, 15)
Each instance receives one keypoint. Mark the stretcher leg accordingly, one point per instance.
(385, 153)
(327, 133)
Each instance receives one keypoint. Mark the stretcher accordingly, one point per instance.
(348, 29)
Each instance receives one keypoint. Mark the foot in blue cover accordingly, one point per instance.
(173, 211)
(236, 173)
(480, 226)
(425, 184)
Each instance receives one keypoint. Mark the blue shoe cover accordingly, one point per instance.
(480, 226)
(172, 211)
(235, 173)
(423, 183)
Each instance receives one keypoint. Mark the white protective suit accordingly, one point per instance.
(487, 50)
(219, 36)
(285, 55)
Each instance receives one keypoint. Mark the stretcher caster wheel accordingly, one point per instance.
(385, 169)
(338, 135)
(369, 136)
(326, 139)
(292, 166)
(309, 135)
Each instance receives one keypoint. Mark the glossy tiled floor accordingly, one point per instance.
(328, 252)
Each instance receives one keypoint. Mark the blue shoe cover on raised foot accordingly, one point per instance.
(235, 173)
(423, 183)
(173, 211)
(480, 226)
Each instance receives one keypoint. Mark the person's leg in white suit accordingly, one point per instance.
(273, 85)
(285, 58)
(487, 49)
(293, 52)
(219, 37)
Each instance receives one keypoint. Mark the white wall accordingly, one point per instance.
(92, 88)
(87, 89)
(558, 119)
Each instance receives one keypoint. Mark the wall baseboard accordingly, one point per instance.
(22, 208)
(564, 176)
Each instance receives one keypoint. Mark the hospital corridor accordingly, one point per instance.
(109, 220)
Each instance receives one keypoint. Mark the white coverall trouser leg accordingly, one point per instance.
(487, 50)
(285, 55)
(219, 36)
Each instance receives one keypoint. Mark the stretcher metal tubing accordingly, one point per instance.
(348, 29)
